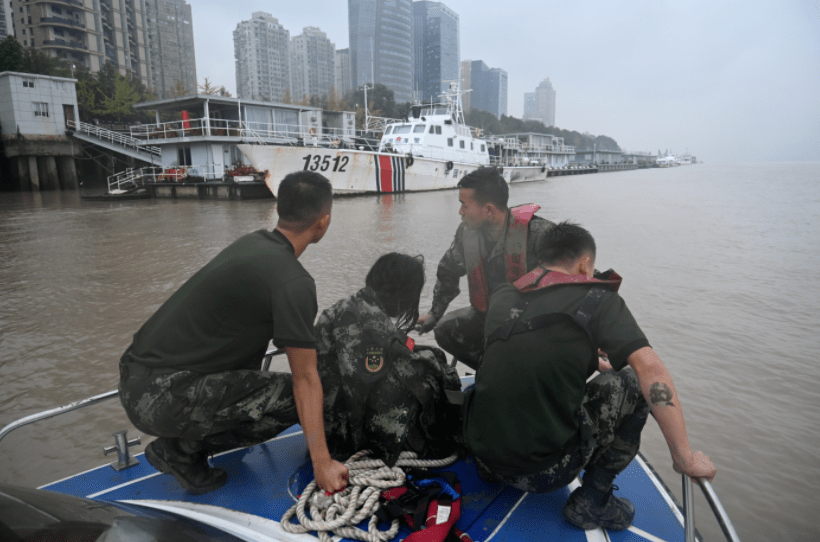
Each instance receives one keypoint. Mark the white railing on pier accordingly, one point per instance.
(116, 138)
(136, 178)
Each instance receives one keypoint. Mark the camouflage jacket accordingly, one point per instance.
(378, 393)
(452, 267)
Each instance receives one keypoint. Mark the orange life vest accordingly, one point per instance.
(515, 254)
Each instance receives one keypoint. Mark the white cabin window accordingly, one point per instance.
(449, 141)
(438, 130)
(482, 148)
(405, 129)
(419, 128)
(389, 129)
(461, 143)
(40, 109)
(471, 145)
(432, 129)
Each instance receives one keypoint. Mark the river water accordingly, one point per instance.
(721, 271)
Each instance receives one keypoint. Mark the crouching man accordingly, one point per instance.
(191, 376)
(534, 422)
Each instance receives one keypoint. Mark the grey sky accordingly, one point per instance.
(727, 80)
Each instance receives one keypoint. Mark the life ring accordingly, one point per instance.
(312, 131)
(449, 165)
(409, 160)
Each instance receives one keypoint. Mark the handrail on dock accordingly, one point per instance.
(717, 508)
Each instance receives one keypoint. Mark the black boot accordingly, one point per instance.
(585, 510)
(191, 470)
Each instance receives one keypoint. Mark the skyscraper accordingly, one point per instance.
(435, 48)
(381, 45)
(312, 63)
(6, 27)
(545, 103)
(489, 87)
(342, 81)
(262, 53)
(530, 106)
(171, 44)
(87, 33)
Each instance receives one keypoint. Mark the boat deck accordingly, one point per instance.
(264, 480)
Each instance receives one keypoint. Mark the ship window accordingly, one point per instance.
(403, 129)
(419, 128)
(461, 143)
(438, 130)
(471, 145)
(482, 148)
(449, 141)
(432, 129)
(389, 129)
(184, 155)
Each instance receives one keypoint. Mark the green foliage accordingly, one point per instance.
(382, 103)
(491, 125)
(16, 58)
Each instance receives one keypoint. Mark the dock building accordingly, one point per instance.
(262, 54)
(312, 63)
(34, 112)
(488, 85)
(531, 148)
(436, 49)
(381, 45)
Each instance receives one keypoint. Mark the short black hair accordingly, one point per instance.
(488, 186)
(564, 243)
(397, 280)
(303, 197)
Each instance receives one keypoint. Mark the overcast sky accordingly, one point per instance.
(728, 80)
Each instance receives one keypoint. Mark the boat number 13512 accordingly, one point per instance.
(322, 163)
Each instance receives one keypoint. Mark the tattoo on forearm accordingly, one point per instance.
(660, 394)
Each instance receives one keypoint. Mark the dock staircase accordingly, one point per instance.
(114, 141)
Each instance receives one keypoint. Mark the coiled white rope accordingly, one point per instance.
(341, 512)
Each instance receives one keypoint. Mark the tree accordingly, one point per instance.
(11, 55)
(224, 92)
(179, 90)
(380, 98)
(332, 103)
(120, 104)
(208, 88)
(286, 98)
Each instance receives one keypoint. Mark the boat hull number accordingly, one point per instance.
(317, 162)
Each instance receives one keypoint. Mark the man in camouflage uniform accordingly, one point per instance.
(493, 245)
(191, 375)
(382, 392)
(534, 422)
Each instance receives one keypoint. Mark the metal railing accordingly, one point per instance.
(136, 178)
(717, 508)
(116, 138)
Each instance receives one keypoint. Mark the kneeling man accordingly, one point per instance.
(533, 420)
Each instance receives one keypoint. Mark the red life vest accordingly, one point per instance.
(515, 254)
(540, 278)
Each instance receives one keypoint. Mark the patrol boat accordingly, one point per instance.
(130, 500)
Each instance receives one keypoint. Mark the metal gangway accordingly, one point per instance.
(114, 141)
(125, 460)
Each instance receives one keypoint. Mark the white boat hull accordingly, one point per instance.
(354, 172)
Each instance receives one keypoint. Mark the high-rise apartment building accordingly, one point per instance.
(381, 45)
(262, 53)
(540, 105)
(6, 27)
(435, 48)
(171, 45)
(342, 81)
(489, 87)
(466, 83)
(312, 63)
(87, 33)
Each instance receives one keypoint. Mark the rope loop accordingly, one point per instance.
(340, 513)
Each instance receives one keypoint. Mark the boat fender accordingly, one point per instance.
(449, 165)
(409, 160)
(312, 131)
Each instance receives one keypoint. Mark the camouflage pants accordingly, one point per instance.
(211, 412)
(612, 417)
(461, 334)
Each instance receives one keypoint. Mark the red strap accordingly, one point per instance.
(410, 344)
(438, 532)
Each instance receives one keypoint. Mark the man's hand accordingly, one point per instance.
(331, 476)
(697, 465)
(426, 323)
(603, 362)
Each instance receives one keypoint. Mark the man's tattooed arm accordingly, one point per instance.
(660, 395)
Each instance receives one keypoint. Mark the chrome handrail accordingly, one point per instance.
(57, 411)
(717, 508)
